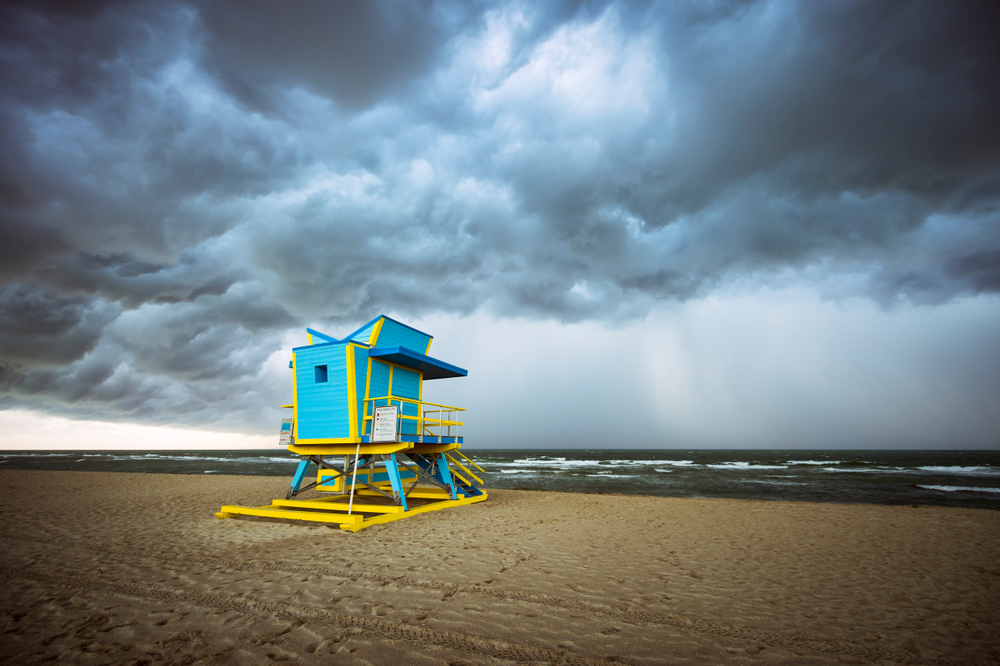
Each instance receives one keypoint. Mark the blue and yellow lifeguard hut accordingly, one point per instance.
(359, 415)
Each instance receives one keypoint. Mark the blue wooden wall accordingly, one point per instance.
(364, 334)
(380, 382)
(394, 334)
(360, 379)
(406, 384)
(323, 410)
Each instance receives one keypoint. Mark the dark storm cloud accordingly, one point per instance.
(182, 182)
(353, 52)
(39, 327)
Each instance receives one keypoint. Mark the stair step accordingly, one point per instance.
(339, 505)
(268, 512)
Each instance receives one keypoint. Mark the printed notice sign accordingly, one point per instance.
(285, 437)
(385, 424)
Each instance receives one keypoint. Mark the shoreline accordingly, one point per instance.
(117, 566)
(557, 492)
(940, 478)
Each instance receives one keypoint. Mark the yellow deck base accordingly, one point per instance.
(334, 510)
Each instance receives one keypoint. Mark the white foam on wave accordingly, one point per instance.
(879, 470)
(959, 469)
(633, 464)
(256, 460)
(746, 465)
(779, 483)
(564, 463)
(160, 456)
(952, 489)
(813, 462)
(551, 462)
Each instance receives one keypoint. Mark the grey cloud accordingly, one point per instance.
(132, 282)
(181, 183)
(980, 269)
(208, 339)
(199, 362)
(40, 327)
(355, 53)
(842, 96)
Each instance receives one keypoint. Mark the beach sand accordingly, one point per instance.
(102, 568)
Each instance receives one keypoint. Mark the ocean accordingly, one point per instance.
(940, 478)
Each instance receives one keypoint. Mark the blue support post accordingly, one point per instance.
(396, 480)
(300, 474)
(445, 472)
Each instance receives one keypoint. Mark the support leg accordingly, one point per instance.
(445, 472)
(297, 479)
(392, 467)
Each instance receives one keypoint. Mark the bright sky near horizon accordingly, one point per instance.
(759, 224)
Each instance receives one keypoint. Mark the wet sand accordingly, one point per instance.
(103, 568)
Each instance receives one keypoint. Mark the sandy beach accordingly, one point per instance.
(102, 568)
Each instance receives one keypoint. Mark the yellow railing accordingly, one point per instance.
(426, 425)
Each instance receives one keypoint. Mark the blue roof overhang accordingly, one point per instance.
(431, 367)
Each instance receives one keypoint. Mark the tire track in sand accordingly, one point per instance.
(372, 627)
(631, 615)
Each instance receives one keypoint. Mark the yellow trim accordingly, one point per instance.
(352, 522)
(474, 463)
(461, 478)
(295, 399)
(329, 440)
(310, 336)
(287, 406)
(421, 418)
(364, 405)
(367, 417)
(392, 366)
(345, 449)
(338, 482)
(376, 330)
(464, 469)
(419, 494)
(269, 512)
(352, 392)
(389, 517)
(420, 449)
(447, 408)
(364, 476)
(428, 350)
(330, 506)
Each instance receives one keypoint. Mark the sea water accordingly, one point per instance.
(943, 478)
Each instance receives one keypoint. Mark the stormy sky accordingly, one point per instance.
(675, 224)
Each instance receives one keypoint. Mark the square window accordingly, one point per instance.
(321, 374)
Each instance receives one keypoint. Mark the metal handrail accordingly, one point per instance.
(424, 423)
(417, 402)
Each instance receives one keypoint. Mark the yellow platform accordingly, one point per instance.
(333, 510)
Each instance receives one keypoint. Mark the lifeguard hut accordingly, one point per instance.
(380, 450)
